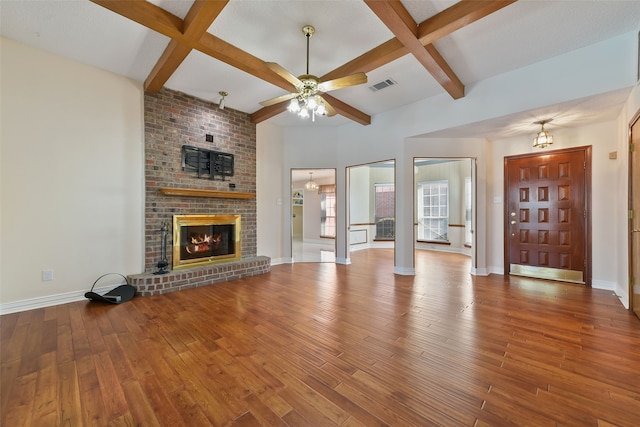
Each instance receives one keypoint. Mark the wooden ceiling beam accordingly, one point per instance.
(396, 17)
(457, 16)
(381, 55)
(167, 24)
(347, 110)
(238, 58)
(267, 112)
(430, 30)
(146, 14)
(196, 23)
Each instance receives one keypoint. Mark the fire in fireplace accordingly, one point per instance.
(205, 239)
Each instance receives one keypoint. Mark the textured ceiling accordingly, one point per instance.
(508, 39)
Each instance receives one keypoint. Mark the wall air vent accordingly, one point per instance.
(383, 84)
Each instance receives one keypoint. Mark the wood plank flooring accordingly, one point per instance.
(330, 345)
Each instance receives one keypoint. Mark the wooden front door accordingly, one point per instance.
(634, 216)
(547, 233)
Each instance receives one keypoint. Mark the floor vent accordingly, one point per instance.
(383, 84)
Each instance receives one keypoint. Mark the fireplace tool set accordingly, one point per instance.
(163, 263)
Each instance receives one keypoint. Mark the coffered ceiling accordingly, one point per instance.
(425, 48)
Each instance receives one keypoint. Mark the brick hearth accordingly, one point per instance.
(178, 280)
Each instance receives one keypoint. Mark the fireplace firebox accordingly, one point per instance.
(205, 239)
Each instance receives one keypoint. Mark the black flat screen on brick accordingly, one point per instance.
(216, 164)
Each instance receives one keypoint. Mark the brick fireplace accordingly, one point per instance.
(172, 120)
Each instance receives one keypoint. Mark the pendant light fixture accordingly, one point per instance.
(223, 94)
(543, 138)
(311, 185)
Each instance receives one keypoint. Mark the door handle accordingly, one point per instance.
(635, 230)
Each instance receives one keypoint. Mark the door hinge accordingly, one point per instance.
(584, 214)
(631, 147)
(630, 214)
(584, 165)
(632, 280)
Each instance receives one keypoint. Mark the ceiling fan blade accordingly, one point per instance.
(342, 82)
(330, 110)
(279, 70)
(278, 99)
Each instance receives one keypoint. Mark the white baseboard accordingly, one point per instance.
(278, 261)
(623, 297)
(48, 301)
(343, 261)
(479, 271)
(404, 271)
(603, 284)
(496, 270)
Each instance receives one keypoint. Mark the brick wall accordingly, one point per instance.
(173, 119)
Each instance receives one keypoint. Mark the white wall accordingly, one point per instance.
(273, 196)
(72, 176)
(360, 195)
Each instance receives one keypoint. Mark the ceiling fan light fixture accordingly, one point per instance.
(312, 104)
(543, 138)
(307, 99)
(294, 106)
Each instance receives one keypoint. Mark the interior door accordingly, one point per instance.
(634, 216)
(546, 232)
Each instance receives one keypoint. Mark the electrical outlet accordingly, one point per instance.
(47, 275)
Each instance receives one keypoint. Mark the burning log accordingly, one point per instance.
(203, 243)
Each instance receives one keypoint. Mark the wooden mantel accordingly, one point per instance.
(192, 192)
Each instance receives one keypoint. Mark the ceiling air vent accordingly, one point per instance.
(383, 84)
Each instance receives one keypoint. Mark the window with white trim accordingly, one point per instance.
(467, 211)
(385, 211)
(328, 214)
(433, 210)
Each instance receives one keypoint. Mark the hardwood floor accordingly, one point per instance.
(325, 344)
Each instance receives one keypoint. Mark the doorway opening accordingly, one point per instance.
(313, 215)
(371, 199)
(444, 205)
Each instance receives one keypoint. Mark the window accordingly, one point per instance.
(433, 210)
(385, 211)
(328, 214)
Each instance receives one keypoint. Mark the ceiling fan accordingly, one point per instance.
(307, 100)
